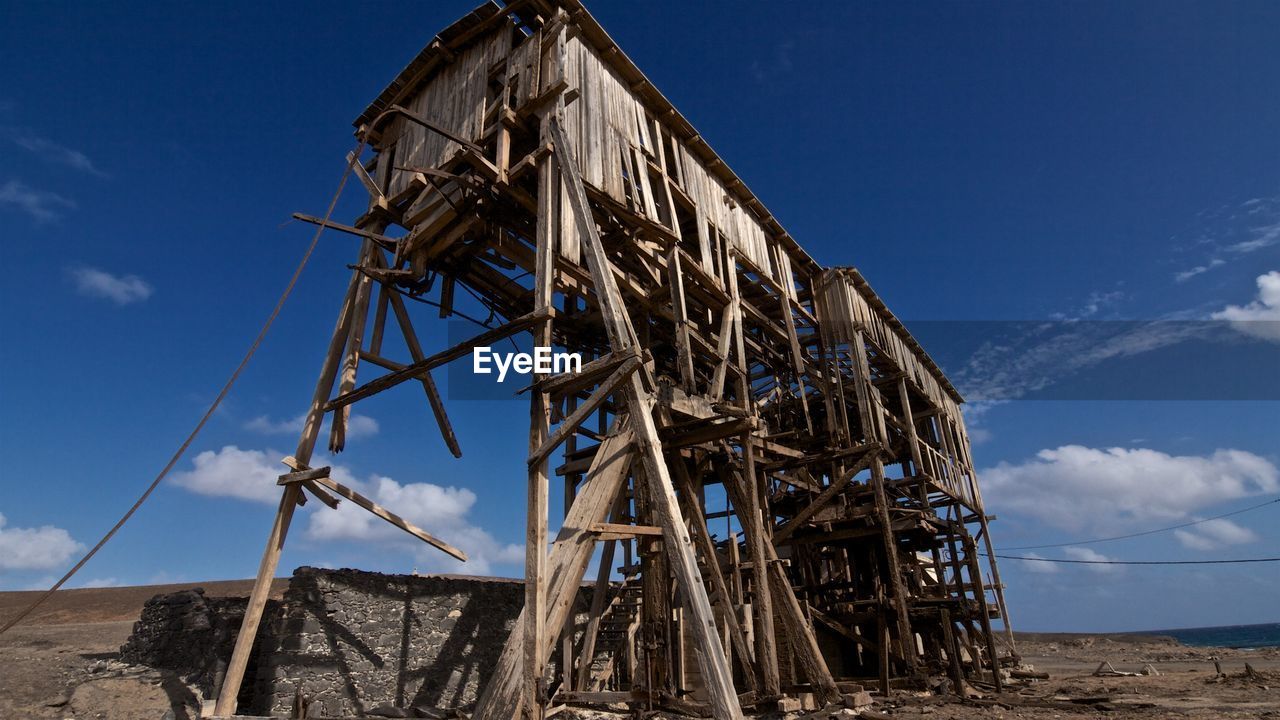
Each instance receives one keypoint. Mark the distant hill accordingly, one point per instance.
(91, 605)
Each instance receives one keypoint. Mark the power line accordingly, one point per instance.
(1144, 532)
(1137, 562)
(222, 394)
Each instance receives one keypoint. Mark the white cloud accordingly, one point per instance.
(358, 426)
(1091, 556)
(1214, 534)
(1260, 318)
(58, 154)
(232, 472)
(42, 206)
(120, 289)
(35, 548)
(1262, 236)
(439, 510)
(1119, 489)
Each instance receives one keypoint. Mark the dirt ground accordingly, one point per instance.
(61, 664)
(61, 661)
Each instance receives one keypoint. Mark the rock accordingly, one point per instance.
(858, 699)
(389, 711)
(788, 704)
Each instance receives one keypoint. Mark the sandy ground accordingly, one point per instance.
(62, 664)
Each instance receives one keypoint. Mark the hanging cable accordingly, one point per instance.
(226, 388)
(1136, 562)
(1140, 534)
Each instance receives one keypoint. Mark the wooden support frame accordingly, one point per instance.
(722, 352)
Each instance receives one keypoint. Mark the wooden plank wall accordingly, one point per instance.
(455, 100)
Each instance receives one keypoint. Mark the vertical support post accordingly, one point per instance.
(909, 419)
(714, 664)
(872, 420)
(566, 634)
(953, 651)
(797, 356)
(539, 429)
(766, 639)
(684, 351)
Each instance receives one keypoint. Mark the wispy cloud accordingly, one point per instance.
(120, 289)
(1229, 233)
(1037, 563)
(1022, 359)
(779, 64)
(1215, 534)
(358, 426)
(54, 153)
(1091, 556)
(41, 205)
(106, 582)
(1097, 302)
(1263, 236)
(1189, 273)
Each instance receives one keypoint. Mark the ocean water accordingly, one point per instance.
(1230, 636)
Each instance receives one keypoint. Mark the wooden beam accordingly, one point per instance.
(585, 410)
(800, 633)
(711, 560)
(535, 582)
(428, 383)
(373, 387)
(385, 242)
(626, 530)
(378, 510)
(570, 555)
(832, 490)
(234, 676)
(590, 374)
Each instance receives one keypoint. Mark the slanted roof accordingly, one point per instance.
(440, 49)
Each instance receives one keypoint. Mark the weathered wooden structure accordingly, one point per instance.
(761, 452)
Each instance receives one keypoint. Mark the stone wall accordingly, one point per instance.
(352, 641)
(190, 634)
(349, 641)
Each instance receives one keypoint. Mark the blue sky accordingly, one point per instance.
(977, 161)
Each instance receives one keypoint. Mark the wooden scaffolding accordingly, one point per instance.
(775, 477)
